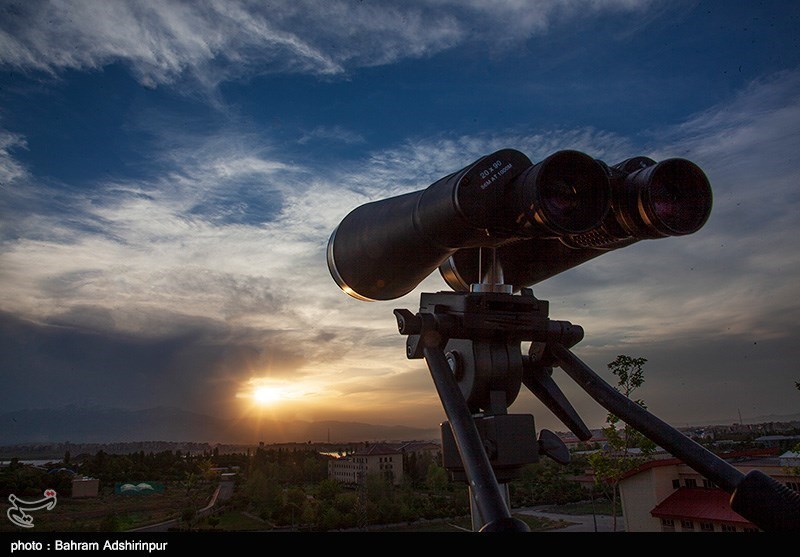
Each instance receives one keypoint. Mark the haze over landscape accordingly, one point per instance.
(170, 173)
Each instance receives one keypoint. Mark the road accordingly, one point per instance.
(579, 523)
(223, 492)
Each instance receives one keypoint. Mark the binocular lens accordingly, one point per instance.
(678, 199)
(567, 193)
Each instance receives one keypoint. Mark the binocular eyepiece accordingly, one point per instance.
(539, 220)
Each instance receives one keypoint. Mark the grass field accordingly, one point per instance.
(114, 512)
(585, 507)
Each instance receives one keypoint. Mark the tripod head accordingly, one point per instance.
(480, 334)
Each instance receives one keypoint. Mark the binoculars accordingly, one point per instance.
(535, 220)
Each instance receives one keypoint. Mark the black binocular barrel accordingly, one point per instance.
(382, 250)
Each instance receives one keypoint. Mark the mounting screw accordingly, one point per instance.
(456, 365)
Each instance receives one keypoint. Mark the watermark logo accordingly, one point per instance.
(17, 515)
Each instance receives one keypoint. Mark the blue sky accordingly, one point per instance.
(170, 173)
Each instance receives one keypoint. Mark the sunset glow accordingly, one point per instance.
(268, 393)
(171, 174)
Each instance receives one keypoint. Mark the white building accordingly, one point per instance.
(375, 459)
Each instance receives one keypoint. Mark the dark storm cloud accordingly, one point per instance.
(79, 358)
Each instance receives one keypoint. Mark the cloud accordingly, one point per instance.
(232, 231)
(160, 261)
(80, 357)
(213, 268)
(213, 41)
(331, 133)
(160, 41)
(748, 148)
(10, 169)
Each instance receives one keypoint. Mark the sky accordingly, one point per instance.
(170, 173)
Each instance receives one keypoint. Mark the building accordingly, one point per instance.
(420, 448)
(389, 459)
(778, 441)
(790, 459)
(596, 442)
(669, 496)
(382, 458)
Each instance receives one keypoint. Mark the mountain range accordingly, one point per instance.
(98, 424)
(94, 424)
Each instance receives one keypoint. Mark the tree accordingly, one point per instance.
(545, 482)
(327, 489)
(630, 376)
(264, 494)
(187, 516)
(795, 470)
(436, 478)
(609, 466)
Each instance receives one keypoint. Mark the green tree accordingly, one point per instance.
(545, 482)
(627, 448)
(187, 516)
(436, 478)
(294, 505)
(331, 519)
(378, 487)
(345, 502)
(796, 449)
(327, 489)
(264, 494)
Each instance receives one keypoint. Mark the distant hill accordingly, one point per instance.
(79, 424)
(774, 418)
(756, 420)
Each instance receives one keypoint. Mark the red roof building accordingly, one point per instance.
(701, 505)
(669, 496)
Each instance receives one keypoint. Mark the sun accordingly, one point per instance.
(270, 393)
(266, 396)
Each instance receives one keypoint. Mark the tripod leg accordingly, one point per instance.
(483, 484)
(542, 385)
(669, 438)
(763, 500)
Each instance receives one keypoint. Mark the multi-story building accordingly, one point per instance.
(669, 496)
(382, 459)
(388, 459)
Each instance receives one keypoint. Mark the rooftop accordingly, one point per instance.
(377, 449)
(698, 503)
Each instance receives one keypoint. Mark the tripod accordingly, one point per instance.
(471, 342)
